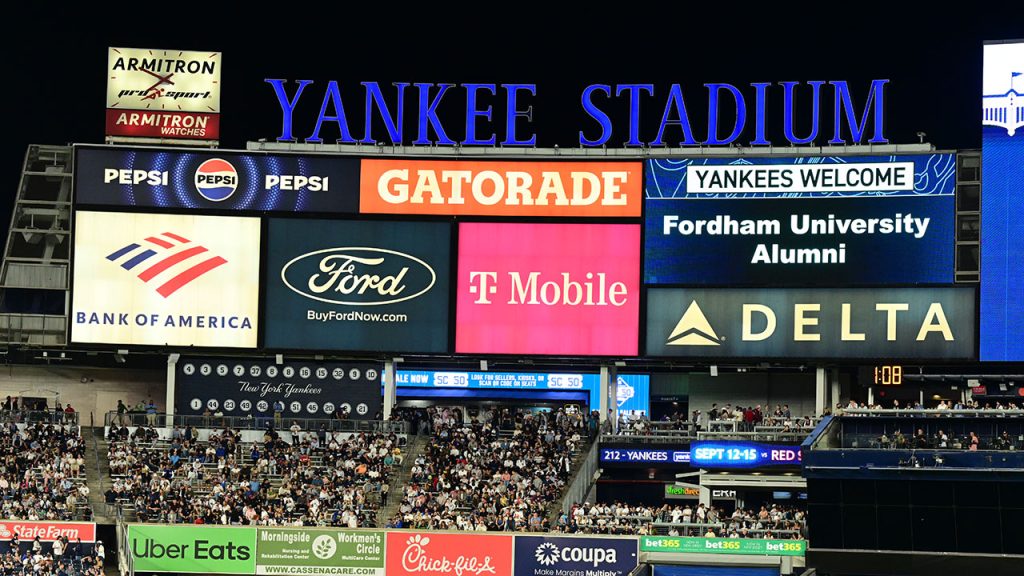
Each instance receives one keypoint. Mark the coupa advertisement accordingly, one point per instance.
(361, 286)
(911, 323)
(165, 279)
(215, 180)
(238, 387)
(800, 221)
(570, 289)
(567, 556)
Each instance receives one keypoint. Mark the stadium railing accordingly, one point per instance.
(161, 420)
(34, 416)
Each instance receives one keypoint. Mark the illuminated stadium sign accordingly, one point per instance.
(801, 103)
(743, 454)
(800, 221)
(163, 94)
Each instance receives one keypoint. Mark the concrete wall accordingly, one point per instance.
(100, 393)
(753, 389)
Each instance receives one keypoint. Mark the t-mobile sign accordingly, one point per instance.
(567, 289)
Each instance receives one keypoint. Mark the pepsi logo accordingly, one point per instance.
(216, 180)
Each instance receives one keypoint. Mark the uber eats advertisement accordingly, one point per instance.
(193, 550)
(836, 220)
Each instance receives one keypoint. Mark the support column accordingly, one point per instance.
(820, 390)
(172, 366)
(390, 390)
(609, 396)
(871, 396)
(835, 398)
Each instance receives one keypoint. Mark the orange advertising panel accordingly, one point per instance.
(486, 188)
(448, 554)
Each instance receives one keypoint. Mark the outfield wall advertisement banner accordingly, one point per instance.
(242, 387)
(910, 323)
(361, 286)
(165, 279)
(320, 551)
(733, 546)
(490, 188)
(1002, 227)
(193, 550)
(447, 554)
(47, 531)
(799, 221)
(550, 555)
(571, 289)
(215, 180)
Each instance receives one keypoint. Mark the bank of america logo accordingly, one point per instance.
(174, 259)
(693, 329)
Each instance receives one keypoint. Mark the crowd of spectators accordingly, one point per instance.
(59, 558)
(770, 521)
(42, 471)
(729, 417)
(310, 478)
(499, 472)
(942, 405)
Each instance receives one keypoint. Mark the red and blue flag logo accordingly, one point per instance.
(216, 179)
(170, 260)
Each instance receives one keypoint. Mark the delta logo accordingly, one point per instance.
(216, 179)
(183, 261)
(693, 329)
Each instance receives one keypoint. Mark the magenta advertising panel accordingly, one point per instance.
(566, 289)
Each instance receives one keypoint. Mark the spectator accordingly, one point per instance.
(150, 413)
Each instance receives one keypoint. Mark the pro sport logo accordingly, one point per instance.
(216, 180)
(168, 260)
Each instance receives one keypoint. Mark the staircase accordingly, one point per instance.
(400, 479)
(97, 467)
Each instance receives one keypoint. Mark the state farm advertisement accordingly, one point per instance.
(566, 289)
(47, 531)
(481, 188)
(441, 554)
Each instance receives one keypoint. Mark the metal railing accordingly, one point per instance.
(34, 416)
(161, 420)
(982, 413)
(585, 477)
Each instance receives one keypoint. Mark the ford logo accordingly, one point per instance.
(356, 276)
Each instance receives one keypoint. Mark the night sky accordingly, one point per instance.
(931, 54)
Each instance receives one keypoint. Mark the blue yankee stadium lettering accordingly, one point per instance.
(849, 125)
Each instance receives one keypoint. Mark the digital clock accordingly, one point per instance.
(888, 375)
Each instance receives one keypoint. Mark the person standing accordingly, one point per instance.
(150, 413)
(101, 553)
(121, 411)
(58, 550)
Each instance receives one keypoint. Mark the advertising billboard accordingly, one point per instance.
(1002, 228)
(165, 279)
(743, 454)
(547, 555)
(319, 551)
(348, 285)
(242, 387)
(163, 93)
(548, 289)
(625, 454)
(448, 554)
(215, 180)
(192, 550)
(800, 221)
(27, 530)
(737, 546)
(492, 188)
(911, 323)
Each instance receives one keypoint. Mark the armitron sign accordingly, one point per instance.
(163, 94)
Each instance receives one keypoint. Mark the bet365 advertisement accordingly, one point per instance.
(165, 279)
(1002, 226)
(569, 289)
(357, 285)
(800, 221)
